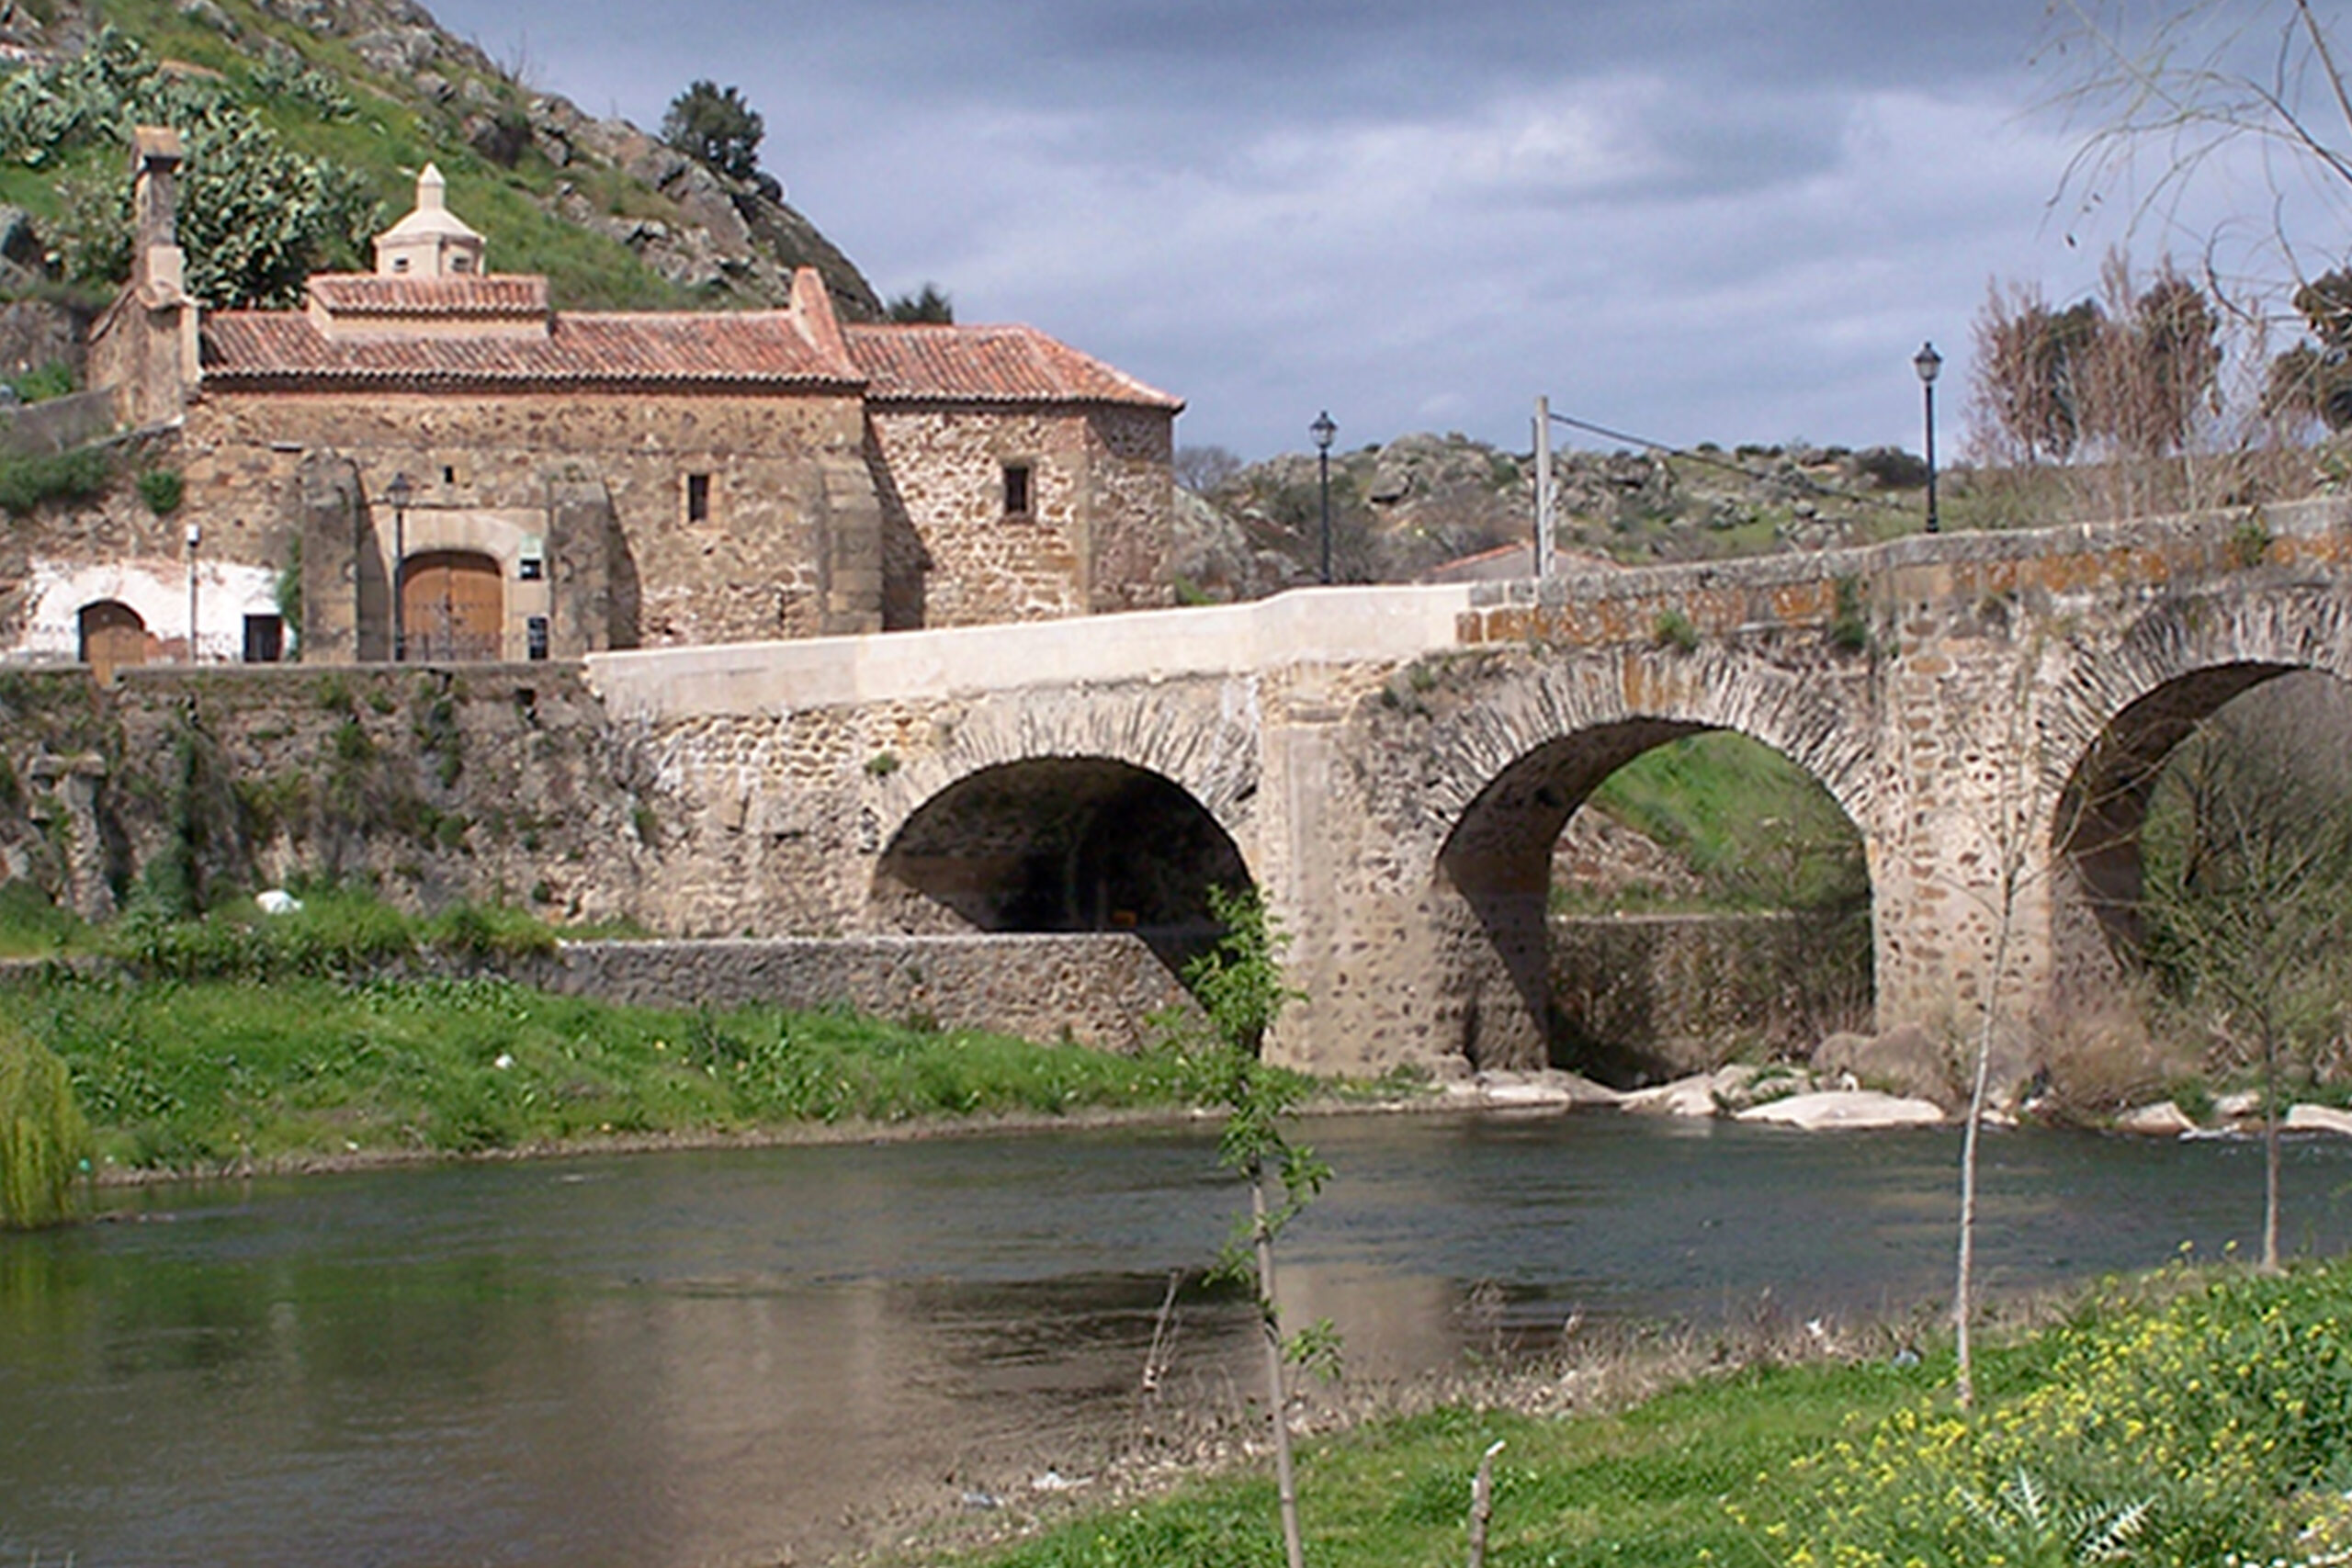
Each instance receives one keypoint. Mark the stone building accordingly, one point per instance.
(434, 463)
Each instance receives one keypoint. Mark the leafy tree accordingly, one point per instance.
(717, 129)
(2313, 378)
(930, 305)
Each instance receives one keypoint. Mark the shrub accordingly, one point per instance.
(161, 489)
(1849, 622)
(25, 482)
(43, 1138)
(54, 379)
(1674, 631)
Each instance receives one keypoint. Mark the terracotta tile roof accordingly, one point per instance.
(367, 294)
(275, 348)
(995, 364)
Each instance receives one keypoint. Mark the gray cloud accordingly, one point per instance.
(1692, 218)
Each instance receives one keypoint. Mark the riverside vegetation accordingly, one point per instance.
(2195, 1417)
(319, 1035)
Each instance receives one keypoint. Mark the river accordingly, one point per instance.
(742, 1356)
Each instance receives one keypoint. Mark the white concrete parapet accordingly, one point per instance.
(1309, 625)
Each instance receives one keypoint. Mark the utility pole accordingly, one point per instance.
(1543, 486)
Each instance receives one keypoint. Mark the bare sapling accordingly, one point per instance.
(1239, 983)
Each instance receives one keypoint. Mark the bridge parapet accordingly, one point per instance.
(1334, 625)
(1604, 606)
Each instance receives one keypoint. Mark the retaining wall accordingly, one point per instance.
(1653, 996)
(1098, 989)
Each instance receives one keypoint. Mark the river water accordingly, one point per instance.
(737, 1356)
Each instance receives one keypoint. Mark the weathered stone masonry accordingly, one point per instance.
(1390, 767)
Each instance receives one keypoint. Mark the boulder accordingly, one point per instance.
(2163, 1120)
(1905, 1061)
(2318, 1119)
(1684, 1097)
(2245, 1105)
(1547, 1091)
(1845, 1109)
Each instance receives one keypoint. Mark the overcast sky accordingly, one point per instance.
(1725, 219)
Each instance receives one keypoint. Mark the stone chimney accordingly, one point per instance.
(159, 267)
(145, 347)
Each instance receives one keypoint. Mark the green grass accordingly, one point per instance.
(188, 1074)
(2225, 1397)
(1646, 1487)
(1755, 829)
(194, 1041)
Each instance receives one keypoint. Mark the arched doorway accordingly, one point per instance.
(453, 606)
(112, 636)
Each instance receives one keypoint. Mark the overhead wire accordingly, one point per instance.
(1804, 482)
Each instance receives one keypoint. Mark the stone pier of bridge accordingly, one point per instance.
(1391, 767)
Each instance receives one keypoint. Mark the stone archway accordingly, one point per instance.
(1060, 844)
(2117, 724)
(1529, 744)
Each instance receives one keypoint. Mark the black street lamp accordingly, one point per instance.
(399, 493)
(1323, 430)
(1927, 362)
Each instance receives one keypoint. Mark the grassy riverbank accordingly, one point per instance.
(2180, 1419)
(199, 1044)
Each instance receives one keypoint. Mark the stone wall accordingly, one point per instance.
(1132, 503)
(789, 545)
(1645, 998)
(970, 561)
(503, 781)
(57, 425)
(1097, 989)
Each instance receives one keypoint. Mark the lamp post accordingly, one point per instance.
(193, 539)
(1323, 430)
(1927, 362)
(398, 493)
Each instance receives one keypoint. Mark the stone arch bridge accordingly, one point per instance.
(1390, 767)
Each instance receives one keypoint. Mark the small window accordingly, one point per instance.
(400, 264)
(448, 474)
(535, 637)
(697, 498)
(264, 640)
(1016, 490)
(461, 264)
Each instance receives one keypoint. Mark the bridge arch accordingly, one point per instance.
(1061, 844)
(1527, 755)
(1079, 811)
(1204, 742)
(2114, 726)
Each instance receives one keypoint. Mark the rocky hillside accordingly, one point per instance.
(1402, 511)
(612, 215)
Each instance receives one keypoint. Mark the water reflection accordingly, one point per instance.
(730, 1356)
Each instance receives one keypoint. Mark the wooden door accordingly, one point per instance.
(112, 636)
(453, 605)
